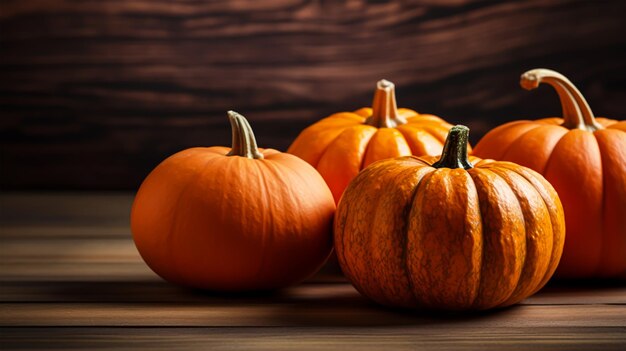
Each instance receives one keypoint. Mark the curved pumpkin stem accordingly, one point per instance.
(576, 111)
(244, 143)
(385, 109)
(454, 154)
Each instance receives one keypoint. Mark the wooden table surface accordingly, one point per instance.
(70, 278)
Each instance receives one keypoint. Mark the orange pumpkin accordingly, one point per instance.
(585, 160)
(342, 144)
(455, 234)
(237, 218)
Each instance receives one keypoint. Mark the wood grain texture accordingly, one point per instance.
(395, 338)
(70, 278)
(296, 314)
(95, 93)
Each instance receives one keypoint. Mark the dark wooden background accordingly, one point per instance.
(95, 93)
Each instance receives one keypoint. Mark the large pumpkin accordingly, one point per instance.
(237, 218)
(585, 160)
(454, 234)
(342, 144)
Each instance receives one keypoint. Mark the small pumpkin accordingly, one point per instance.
(451, 233)
(233, 219)
(340, 145)
(585, 160)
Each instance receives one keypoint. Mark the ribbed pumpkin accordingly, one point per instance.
(233, 219)
(455, 234)
(340, 145)
(585, 160)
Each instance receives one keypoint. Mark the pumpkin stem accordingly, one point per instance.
(384, 107)
(576, 111)
(244, 143)
(454, 154)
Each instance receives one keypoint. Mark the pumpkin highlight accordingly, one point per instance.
(449, 233)
(233, 219)
(340, 145)
(584, 158)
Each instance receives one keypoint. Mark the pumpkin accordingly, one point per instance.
(233, 219)
(342, 144)
(448, 233)
(585, 160)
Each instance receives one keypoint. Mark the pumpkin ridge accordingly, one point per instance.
(548, 274)
(415, 139)
(576, 250)
(374, 142)
(522, 257)
(448, 241)
(268, 221)
(496, 132)
(494, 248)
(193, 152)
(175, 218)
(366, 245)
(507, 149)
(405, 247)
(425, 172)
(617, 125)
(479, 279)
(363, 139)
(301, 140)
(512, 147)
(341, 218)
(603, 243)
(340, 251)
(552, 121)
(532, 177)
(528, 187)
(370, 244)
(603, 139)
(430, 128)
(281, 169)
(367, 149)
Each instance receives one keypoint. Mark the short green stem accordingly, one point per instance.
(244, 143)
(454, 154)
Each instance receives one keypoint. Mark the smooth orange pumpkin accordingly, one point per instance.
(233, 219)
(453, 233)
(585, 160)
(340, 145)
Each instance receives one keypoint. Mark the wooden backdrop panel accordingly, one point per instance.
(93, 94)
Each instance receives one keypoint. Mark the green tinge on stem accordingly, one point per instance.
(454, 154)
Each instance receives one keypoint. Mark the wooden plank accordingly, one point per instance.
(357, 312)
(315, 338)
(74, 237)
(49, 214)
(121, 291)
(71, 259)
(75, 271)
(323, 289)
(84, 257)
(95, 93)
